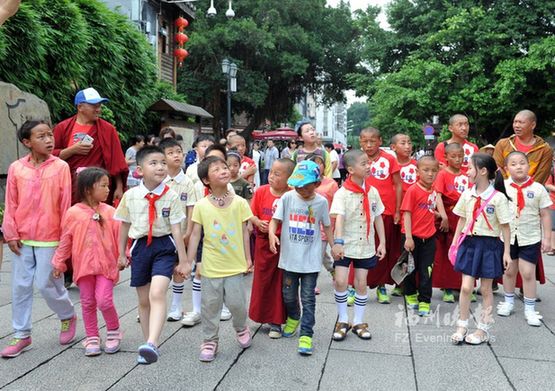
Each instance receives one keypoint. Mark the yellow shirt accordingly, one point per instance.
(185, 190)
(349, 205)
(535, 198)
(133, 209)
(223, 252)
(497, 211)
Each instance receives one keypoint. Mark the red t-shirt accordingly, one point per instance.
(421, 204)
(383, 167)
(246, 163)
(408, 174)
(551, 181)
(263, 205)
(78, 128)
(469, 150)
(521, 147)
(451, 185)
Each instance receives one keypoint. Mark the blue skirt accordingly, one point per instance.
(480, 257)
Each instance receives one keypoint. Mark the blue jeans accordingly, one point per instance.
(290, 288)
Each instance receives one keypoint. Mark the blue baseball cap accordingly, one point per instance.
(89, 95)
(305, 173)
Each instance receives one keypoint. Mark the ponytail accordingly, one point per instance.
(499, 184)
(483, 160)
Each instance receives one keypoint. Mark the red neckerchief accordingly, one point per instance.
(477, 206)
(520, 194)
(355, 188)
(152, 198)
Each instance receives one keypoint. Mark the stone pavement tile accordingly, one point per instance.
(529, 375)
(367, 371)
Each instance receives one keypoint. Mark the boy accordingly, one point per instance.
(385, 177)
(183, 186)
(350, 227)
(418, 208)
(201, 143)
(150, 213)
(301, 211)
(449, 185)
(38, 193)
(310, 145)
(248, 167)
(401, 144)
(459, 127)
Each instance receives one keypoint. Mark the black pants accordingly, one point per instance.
(423, 253)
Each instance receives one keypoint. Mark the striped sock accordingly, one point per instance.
(196, 295)
(177, 293)
(360, 306)
(509, 297)
(341, 302)
(529, 304)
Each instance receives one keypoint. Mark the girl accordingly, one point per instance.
(90, 238)
(138, 143)
(222, 216)
(240, 186)
(532, 219)
(483, 212)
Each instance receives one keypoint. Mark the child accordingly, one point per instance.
(138, 143)
(449, 185)
(38, 193)
(201, 143)
(90, 239)
(222, 216)
(350, 226)
(300, 211)
(385, 178)
(151, 215)
(241, 187)
(459, 127)
(307, 133)
(483, 212)
(418, 209)
(266, 304)
(248, 167)
(532, 219)
(184, 188)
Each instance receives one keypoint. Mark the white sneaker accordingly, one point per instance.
(190, 319)
(225, 315)
(175, 314)
(533, 318)
(505, 308)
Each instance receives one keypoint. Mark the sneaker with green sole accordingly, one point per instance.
(397, 291)
(423, 309)
(448, 296)
(290, 327)
(351, 297)
(305, 345)
(473, 297)
(412, 301)
(383, 297)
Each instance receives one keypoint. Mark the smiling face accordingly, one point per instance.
(153, 169)
(218, 175)
(41, 141)
(518, 167)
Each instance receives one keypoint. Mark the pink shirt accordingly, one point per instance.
(92, 247)
(36, 199)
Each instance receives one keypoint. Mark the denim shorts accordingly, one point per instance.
(530, 253)
(158, 259)
(364, 263)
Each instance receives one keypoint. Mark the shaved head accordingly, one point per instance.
(528, 114)
(456, 117)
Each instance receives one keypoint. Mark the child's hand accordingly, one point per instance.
(506, 260)
(546, 245)
(380, 251)
(250, 267)
(183, 269)
(123, 262)
(249, 227)
(56, 273)
(262, 226)
(409, 244)
(337, 251)
(274, 242)
(397, 218)
(14, 246)
(444, 225)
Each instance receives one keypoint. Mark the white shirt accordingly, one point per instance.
(334, 157)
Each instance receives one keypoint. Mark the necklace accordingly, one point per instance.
(220, 200)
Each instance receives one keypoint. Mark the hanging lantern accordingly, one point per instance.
(181, 54)
(181, 23)
(181, 38)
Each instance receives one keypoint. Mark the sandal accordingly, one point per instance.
(361, 330)
(208, 351)
(340, 331)
(459, 336)
(478, 339)
(92, 346)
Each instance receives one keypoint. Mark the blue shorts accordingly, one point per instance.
(358, 263)
(530, 253)
(158, 259)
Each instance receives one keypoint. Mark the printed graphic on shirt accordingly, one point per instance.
(530, 194)
(430, 203)
(223, 235)
(165, 212)
(268, 211)
(408, 174)
(183, 197)
(461, 183)
(301, 225)
(490, 209)
(468, 152)
(380, 169)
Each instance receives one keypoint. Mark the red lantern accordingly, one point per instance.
(181, 23)
(181, 38)
(181, 54)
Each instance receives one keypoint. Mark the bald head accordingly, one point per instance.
(528, 114)
(524, 124)
(457, 118)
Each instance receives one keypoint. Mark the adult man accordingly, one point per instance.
(334, 159)
(86, 140)
(459, 127)
(539, 153)
(271, 154)
(256, 157)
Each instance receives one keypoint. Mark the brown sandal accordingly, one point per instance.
(340, 331)
(361, 330)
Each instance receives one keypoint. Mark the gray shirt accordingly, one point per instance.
(270, 156)
(301, 242)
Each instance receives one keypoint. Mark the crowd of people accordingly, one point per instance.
(441, 221)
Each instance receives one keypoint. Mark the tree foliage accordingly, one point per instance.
(486, 59)
(282, 48)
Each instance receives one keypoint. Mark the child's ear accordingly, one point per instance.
(27, 143)
(350, 170)
(140, 170)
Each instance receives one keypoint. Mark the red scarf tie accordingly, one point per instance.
(477, 206)
(520, 194)
(152, 198)
(355, 188)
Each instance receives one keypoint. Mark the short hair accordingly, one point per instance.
(169, 143)
(216, 147)
(454, 117)
(86, 180)
(236, 137)
(328, 145)
(25, 131)
(426, 158)
(167, 130)
(529, 113)
(314, 156)
(371, 130)
(288, 163)
(351, 156)
(453, 147)
(234, 154)
(513, 153)
(136, 139)
(145, 151)
(149, 138)
(300, 125)
(179, 137)
(204, 166)
(203, 137)
(396, 137)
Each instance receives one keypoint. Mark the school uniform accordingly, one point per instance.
(183, 186)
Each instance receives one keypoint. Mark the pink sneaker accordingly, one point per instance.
(244, 338)
(208, 351)
(16, 346)
(113, 341)
(67, 333)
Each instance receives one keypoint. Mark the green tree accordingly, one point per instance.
(358, 117)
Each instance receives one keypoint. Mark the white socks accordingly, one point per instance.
(360, 306)
(196, 295)
(341, 302)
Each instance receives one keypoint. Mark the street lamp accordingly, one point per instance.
(230, 14)
(229, 69)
